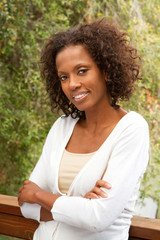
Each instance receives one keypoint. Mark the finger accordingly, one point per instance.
(26, 182)
(100, 192)
(91, 195)
(20, 203)
(19, 200)
(102, 183)
(20, 189)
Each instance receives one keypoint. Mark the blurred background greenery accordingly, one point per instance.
(25, 116)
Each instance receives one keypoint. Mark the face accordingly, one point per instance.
(81, 80)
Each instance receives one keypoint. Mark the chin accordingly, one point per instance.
(82, 108)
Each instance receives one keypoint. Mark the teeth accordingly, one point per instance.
(79, 96)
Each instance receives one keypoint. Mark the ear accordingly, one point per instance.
(105, 76)
(106, 79)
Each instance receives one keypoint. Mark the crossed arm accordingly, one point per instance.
(132, 163)
(32, 193)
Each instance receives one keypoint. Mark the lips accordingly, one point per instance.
(80, 96)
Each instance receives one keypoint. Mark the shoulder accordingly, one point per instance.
(64, 122)
(62, 126)
(132, 136)
(134, 120)
(131, 128)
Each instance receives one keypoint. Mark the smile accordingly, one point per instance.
(80, 96)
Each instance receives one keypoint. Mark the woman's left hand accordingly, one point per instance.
(27, 193)
(97, 192)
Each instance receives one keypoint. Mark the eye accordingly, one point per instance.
(63, 78)
(82, 71)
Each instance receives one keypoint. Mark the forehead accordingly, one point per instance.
(73, 53)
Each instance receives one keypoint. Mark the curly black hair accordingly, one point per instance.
(111, 50)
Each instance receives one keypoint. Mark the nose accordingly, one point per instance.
(74, 82)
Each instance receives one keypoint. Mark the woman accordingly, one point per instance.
(88, 70)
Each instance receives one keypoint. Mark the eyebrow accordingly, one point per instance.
(75, 67)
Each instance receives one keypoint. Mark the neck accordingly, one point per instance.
(99, 119)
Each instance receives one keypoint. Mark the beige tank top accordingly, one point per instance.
(70, 165)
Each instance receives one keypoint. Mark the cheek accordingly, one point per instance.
(64, 89)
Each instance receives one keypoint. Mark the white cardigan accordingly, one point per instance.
(125, 155)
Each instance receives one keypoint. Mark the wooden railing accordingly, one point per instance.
(12, 223)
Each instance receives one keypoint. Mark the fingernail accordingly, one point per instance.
(105, 194)
(109, 185)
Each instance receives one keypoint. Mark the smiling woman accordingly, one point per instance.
(85, 183)
(82, 81)
(109, 49)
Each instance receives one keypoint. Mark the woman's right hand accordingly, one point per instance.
(97, 192)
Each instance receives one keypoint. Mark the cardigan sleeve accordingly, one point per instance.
(40, 175)
(127, 163)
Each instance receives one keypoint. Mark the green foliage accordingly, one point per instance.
(25, 115)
